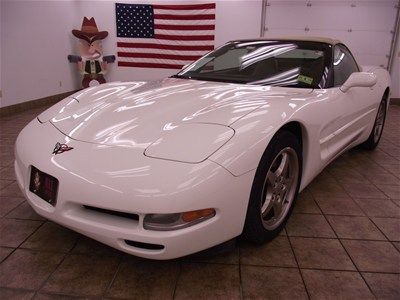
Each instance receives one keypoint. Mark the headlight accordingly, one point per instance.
(165, 222)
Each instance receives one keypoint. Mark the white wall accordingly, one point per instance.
(1, 70)
(36, 39)
(395, 88)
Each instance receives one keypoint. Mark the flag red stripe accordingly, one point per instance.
(165, 47)
(148, 65)
(184, 17)
(159, 56)
(184, 37)
(184, 27)
(186, 7)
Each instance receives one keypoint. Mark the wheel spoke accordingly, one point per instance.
(266, 208)
(271, 177)
(277, 209)
(283, 166)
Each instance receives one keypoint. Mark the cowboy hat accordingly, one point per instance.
(89, 31)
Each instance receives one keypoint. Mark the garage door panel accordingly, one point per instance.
(325, 16)
(287, 16)
(371, 60)
(363, 25)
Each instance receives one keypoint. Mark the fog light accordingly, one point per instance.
(164, 222)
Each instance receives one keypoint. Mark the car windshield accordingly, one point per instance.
(276, 63)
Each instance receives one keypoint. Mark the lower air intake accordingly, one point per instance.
(113, 212)
(144, 245)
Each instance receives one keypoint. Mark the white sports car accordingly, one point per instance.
(167, 168)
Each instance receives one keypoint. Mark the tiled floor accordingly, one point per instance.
(343, 241)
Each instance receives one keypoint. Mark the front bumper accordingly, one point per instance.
(124, 180)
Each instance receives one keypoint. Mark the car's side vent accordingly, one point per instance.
(113, 212)
(144, 245)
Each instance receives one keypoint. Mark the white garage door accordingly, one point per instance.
(365, 26)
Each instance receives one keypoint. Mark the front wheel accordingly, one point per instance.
(274, 189)
(376, 133)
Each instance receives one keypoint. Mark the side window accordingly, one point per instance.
(343, 65)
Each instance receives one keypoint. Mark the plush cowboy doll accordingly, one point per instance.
(91, 62)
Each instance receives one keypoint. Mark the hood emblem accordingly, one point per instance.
(60, 148)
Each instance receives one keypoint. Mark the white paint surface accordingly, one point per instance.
(36, 39)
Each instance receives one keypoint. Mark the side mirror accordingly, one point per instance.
(359, 79)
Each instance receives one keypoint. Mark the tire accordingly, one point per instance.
(270, 203)
(376, 132)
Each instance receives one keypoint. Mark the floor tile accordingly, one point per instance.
(323, 284)
(4, 183)
(7, 173)
(378, 207)
(363, 190)
(87, 245)
(146, 280)
(230, 256)
(276, 253)
(11, 190)
(307, 225)
(25, 212)
(397, 245)
(373, 256)
(86, 275)
(393, 169)
(28, 269)
(339, 206)
(4, 252)
(272, 283)
(327, 188)
(321, 254)
(346, 174)
(389, 226)
(369, 167)
(384, 286)
(6, 159)
(44, 296)
(7, 204)
(205, 281)
(379, 179)
(392, 191)
(305, 204)
(12, 294)
(14, 232)
(51, 237)
(351, 227)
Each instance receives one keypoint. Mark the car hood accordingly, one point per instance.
(135, 114)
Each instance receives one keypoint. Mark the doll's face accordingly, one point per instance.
(93, 50)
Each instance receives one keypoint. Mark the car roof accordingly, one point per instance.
(325, 40)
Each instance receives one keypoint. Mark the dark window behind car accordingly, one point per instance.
(343, 65)
(276, 63)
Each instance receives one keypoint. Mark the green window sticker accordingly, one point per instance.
(305, 79)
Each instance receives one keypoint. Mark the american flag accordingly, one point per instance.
(163, 36)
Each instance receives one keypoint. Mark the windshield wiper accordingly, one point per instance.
(179, 76)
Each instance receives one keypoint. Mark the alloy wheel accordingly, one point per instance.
(279, 189)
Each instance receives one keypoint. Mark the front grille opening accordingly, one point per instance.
(144, 245)
(113, 212)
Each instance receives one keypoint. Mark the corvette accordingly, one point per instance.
(167, 168)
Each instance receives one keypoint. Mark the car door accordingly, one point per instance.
(354, 108)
